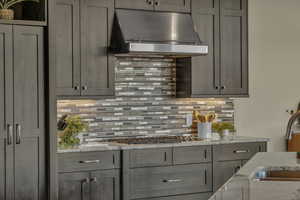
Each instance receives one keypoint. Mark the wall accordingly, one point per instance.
(145, 102)
(274, 39)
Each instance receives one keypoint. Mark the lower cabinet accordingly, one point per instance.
(89, 175)
(224, 171)
(172, 180)
(229, 158)
(73, 186)
(94, 185)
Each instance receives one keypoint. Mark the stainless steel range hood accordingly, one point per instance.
(159, 33)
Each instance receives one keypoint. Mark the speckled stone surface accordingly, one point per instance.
(245, 186)
(114, 146)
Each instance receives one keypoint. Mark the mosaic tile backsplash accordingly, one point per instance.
(144, 103)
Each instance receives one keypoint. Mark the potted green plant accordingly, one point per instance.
(5, 8)
(68, 136)
(223, 128)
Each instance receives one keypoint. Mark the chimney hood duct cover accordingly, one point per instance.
(159, 33)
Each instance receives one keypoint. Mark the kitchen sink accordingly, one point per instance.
(283, 174)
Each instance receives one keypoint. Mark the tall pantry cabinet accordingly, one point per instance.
(22, 123)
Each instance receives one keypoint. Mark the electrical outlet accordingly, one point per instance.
(189, 119)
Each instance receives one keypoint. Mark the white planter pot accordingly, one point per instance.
(204, 130)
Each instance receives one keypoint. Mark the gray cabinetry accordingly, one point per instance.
(229, 158)
(83, 64)
(167, 173)
(150, 157)
(205, 70)
(6, 112)
(135, 4)
(157, 5)
(223, 26)
(74, 186)
(172, 5)
(89, 176)
(173, 180)
(22, 129)
(234, 47)
(67, 47)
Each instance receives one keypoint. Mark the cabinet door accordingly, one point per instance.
(205, 69)
(6, 113)
(173, 5)
(105, 185)
(73, 186)
(224, 171)
(135, 4)
(234, 45)
(29, 166)
(67, 49)
(97, 67)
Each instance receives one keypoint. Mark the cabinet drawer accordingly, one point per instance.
(69, 162)
(192, 155)
(150, 157)
(199, 196)
(239, 151)
(174, 180)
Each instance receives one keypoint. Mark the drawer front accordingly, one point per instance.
(166, 181)
(199, 196)
(69, 162)
(192, 154)
(239, 151)
(150, 157)
(223, 171)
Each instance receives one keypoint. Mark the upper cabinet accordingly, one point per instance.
(222, 24)
(234, 47)
(173, 5)
(158, 5)
(83, 64)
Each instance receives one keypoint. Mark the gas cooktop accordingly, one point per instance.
(154, 140)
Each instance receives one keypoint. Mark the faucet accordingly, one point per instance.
(290, 124)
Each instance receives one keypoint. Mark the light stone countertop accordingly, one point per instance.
(98, 146)
(244, 186)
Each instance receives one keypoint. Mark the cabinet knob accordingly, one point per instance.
(150, 2)
(76, 87)
(237, 169)
(223, 87)
(217, 87)
(84, 87)
(156, 3)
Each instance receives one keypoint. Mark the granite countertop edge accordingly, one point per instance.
(112, 147)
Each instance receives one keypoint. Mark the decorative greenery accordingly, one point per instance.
(6, 4)
(219, 127)
(68, 137)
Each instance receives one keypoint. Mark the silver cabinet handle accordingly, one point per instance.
(89, 161)
(18, 133)
(9, 134)
(241, 151)
(172, 180)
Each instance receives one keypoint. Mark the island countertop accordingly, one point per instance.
(244, 185)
